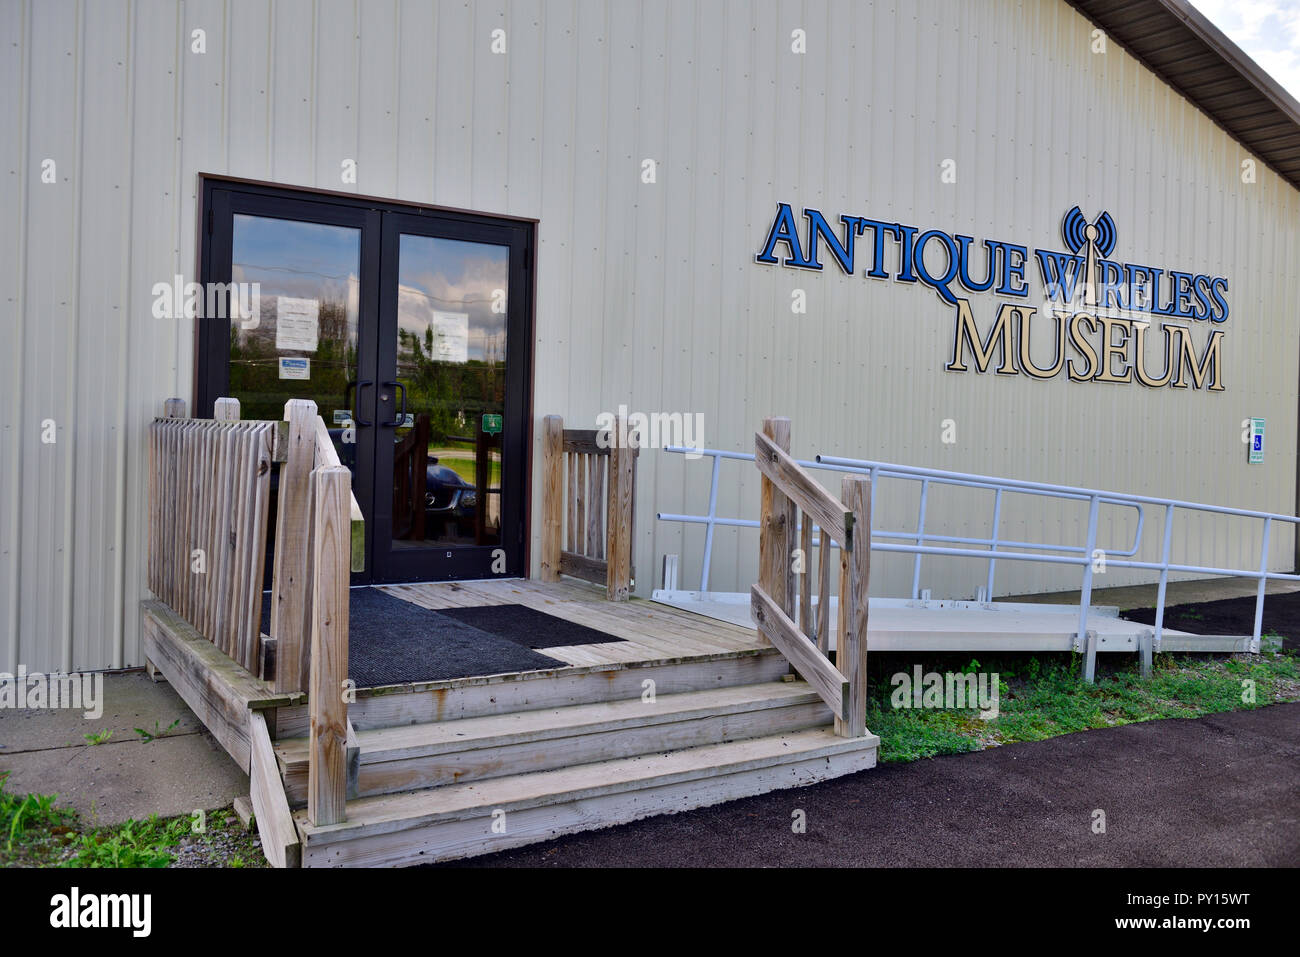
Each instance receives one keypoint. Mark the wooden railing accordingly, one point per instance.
(588, 506)
(788, 493)
(209, 483)
(319, 541)
(209, 490)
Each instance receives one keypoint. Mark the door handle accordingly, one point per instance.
(347, 392)
(401, 416)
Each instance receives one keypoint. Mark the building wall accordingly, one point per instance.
(647, 294)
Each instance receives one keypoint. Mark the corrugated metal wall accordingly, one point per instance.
(647, 293)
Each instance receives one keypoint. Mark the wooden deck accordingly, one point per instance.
(560, 750)
(652, 632)
(682, 712)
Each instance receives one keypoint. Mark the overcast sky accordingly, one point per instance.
(1268, 30)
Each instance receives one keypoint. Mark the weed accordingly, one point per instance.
(131, 844)
(156, 733)
(1049, 698)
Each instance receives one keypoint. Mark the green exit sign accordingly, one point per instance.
(491, 423)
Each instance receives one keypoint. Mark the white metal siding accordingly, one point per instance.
(646, 294)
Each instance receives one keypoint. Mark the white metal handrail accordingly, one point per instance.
(915, 543)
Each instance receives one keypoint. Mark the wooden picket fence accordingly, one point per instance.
(209, 489)
(588, 507)
(209, 494)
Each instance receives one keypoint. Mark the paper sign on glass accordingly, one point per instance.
(297, 324)
(450, 336)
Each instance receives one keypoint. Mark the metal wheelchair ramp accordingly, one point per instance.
(920, 623)
(901, 624)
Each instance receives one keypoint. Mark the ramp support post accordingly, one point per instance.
(1085, 596)
(1146, 641)
(1089, 656)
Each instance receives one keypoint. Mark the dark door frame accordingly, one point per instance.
(439, 563)
(223, 196)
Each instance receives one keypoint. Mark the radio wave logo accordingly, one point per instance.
(1098, 238)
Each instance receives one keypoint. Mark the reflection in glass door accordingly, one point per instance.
(302, 341)
(451, 364)
(409, 330)
(447, 365)
(300, 266)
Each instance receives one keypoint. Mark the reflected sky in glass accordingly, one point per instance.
(449, 284)
(303, 260)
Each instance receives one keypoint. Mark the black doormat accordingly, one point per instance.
(528, 626)
(391, 641)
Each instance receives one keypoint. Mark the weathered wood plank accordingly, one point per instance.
(583, 442)
(327, 455)
(270, 806)
(775, 525)
(824, 552)
(777, 627)
(552, 496)
(807, 623)
(584, 567)
(225, 409)
(426, 755)
(291, 574)
(856, 490)
(216, 689)
(596, 466)
(618, 521)
(223, 572)
(571, 501)
(455, 821)
(263, 450)
(327, 787)
(579, 535)
(155, 510)
(777, 466)
(354, 763)
(240, 585)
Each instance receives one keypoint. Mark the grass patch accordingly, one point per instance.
(36, 832)
(1042, 696)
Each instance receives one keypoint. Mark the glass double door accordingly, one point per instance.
(409, 329)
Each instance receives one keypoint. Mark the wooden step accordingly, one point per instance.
(480, 817)
(456, 698)
(450, 752)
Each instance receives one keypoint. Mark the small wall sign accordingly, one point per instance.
(292, 367)
(491, 423)
(1256, 453)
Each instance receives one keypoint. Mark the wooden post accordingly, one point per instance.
(291, 574)
(851, 654)
(225, 410)
(618, 525)
(776, 528)
(328, 742)
(824, 594)
(806, 622)
(552, 496)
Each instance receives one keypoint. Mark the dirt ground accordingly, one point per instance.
(1219, 791)
(1231, 616)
